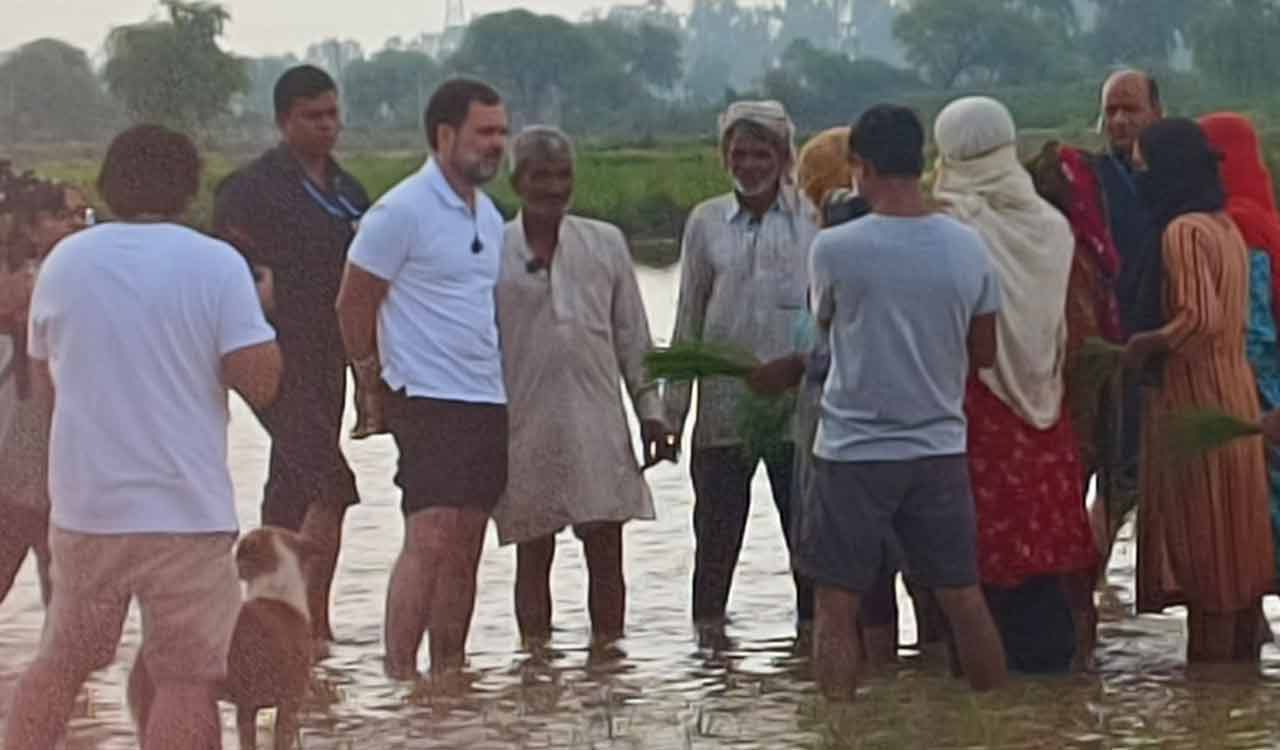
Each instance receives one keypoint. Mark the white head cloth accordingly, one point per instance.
(767, 113)
(982, 183)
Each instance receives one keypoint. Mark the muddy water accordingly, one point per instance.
(669, 693)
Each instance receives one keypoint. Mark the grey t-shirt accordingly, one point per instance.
(900, 295)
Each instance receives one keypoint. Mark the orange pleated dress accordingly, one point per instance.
(1204, 527)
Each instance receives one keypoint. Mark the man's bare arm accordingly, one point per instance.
(359, 298)
(254, 372)
(982, 342)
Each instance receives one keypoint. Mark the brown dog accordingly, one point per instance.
(269, 664)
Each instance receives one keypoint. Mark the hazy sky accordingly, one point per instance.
(260, 27)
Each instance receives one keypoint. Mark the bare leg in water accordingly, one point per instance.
(409, 595)
(533, 591)
(836, 655)
(323, 527)
(433, 589)
(607, 588)
(879, 617)
(24, 529)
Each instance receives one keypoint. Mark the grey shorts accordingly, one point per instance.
(855, 513)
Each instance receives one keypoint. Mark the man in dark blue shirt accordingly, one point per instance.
(292, 213)
(1130, 104)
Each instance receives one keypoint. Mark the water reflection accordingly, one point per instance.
(670, 692)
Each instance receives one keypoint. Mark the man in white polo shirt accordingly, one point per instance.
(140, 326)
(417, 314)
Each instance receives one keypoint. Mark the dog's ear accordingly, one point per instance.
(254, 555)
(249, 545)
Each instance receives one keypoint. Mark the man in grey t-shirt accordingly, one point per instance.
(908, 298)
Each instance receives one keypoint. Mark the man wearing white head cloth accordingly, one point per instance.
(743, 282)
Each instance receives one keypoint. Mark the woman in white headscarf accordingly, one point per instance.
(1027, 478)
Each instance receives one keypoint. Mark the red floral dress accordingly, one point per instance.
(1029, 494)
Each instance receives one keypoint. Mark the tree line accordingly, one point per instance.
(637, 71)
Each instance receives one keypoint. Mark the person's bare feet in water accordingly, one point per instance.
(398, 672)
(607, 649)
(711, 634)
(880, 645)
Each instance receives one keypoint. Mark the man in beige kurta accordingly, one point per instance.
(573, 332)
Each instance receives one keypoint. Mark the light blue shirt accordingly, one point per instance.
(437, 327)
(899, 295)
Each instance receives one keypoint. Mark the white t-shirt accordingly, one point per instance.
(134, 320)
(437, 327)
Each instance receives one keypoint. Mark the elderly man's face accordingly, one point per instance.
(1127, 110)
(545, 186)
(756, 164)
(475, 149)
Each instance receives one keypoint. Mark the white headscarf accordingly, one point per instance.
(769, 114)
(981, 183)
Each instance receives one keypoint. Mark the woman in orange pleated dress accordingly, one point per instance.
(1204, 531)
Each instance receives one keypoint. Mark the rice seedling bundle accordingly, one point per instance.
(690, 360)
(1197, 431)
(1096, 362)
(762, 421)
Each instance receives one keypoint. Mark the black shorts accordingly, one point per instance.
(452, 453)
(307, 466)
(854, 512)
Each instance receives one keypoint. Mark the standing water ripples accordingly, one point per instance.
(668, 693)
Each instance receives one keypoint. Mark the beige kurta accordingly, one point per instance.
(571, 337)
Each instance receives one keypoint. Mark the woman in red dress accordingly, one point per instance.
(1024, 459)
(1067, 177)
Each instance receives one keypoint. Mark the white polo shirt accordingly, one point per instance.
(437, 327)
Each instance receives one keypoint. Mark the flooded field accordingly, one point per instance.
(668, 693)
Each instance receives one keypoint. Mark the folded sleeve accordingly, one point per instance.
(240, 321)
(381, 245)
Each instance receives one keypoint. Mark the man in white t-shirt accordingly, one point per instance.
(140, 327)
(418, 319)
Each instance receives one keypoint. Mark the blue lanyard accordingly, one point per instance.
(343, 211)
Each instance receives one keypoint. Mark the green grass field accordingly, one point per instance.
(646, 192)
